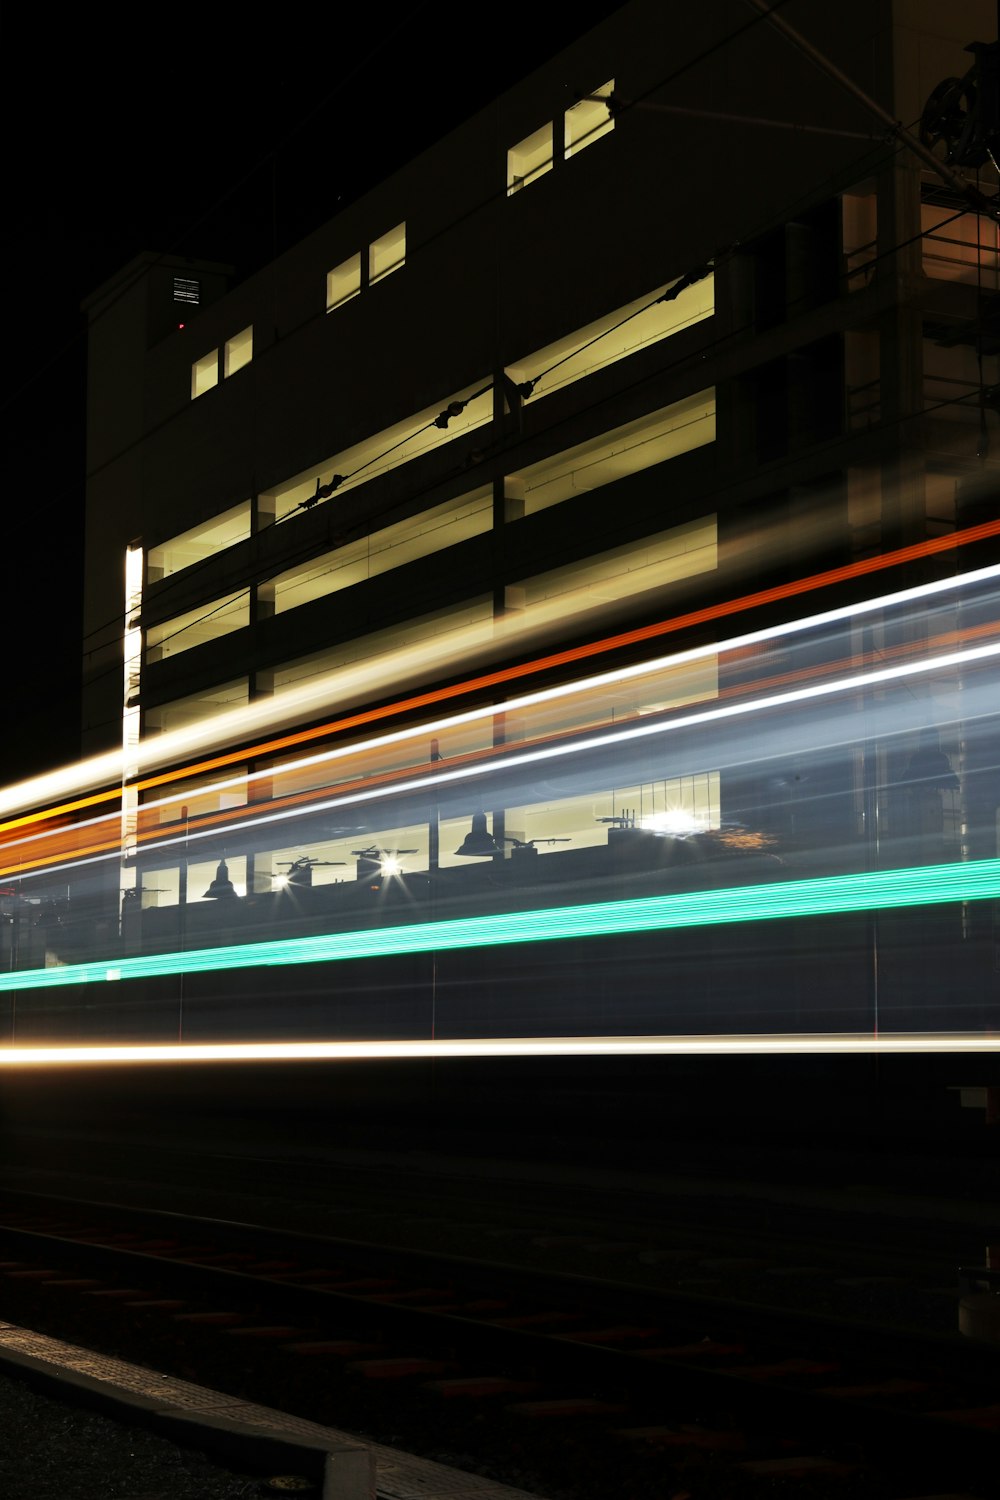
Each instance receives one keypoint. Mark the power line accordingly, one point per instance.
(733, 333)
(504, 444)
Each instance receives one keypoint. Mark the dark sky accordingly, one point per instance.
(206, 133)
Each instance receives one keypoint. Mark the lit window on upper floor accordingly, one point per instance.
(343, 282)
(182, 713)
(591, 118)
(653, 439)
(430, 641)
(239, 351)
(620, 333)
(201, 542)
(655, 562)
(390, 547)
(186, 290)
(155, 808)
(198, 626)
(389, 448)
(962, 248)
(204, 374)
(529, 159)
(386, 254)
(677, 805)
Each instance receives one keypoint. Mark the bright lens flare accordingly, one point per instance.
(82, 777)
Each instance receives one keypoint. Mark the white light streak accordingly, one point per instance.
(585, 1046)
(589, 742)
(363, 681)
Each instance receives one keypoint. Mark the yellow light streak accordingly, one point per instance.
(796, 1043)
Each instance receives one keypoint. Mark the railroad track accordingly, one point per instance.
(560, 1384)
(857, 1253)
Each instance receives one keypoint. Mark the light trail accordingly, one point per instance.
(792, 1043)
(517, 759)
(590, 742)
(922, 885)
(72, 781)
(24, 867)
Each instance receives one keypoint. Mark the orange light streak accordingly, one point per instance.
(897, 558)
(223, 818)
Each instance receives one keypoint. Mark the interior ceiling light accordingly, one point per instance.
(479, 843)
(222, 888)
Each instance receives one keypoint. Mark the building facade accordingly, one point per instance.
(673, 321)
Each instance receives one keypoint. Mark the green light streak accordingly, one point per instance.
(924, 885)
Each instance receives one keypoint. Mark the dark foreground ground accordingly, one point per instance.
(52, 1450)
(853, 1156)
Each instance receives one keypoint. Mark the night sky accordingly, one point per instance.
(184, 131)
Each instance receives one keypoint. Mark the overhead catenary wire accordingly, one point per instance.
(973, 196)
(685, 67)
(505, 443)
(924, 411)
(747, 239)
(422, 429)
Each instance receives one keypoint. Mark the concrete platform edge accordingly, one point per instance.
(240, 1434)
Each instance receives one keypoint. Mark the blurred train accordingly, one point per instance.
(781, 831)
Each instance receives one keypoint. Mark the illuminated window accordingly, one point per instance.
(239, 351)
(204, 374)
(679, 805)
(158, 808)
(343, 282)
(953, 379)
(200, 542)
(653, 439)
(962, 248)
(387, 254)
(441, 636)
(186, 290)
(200, 875)
(389, 448)
(206, 623)
(621, 332)
(529, 159)
(130, 700)
(181, 713)
(859, 228)
(383, 550)
(652, 563)
(587, 121)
